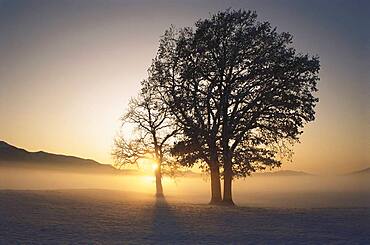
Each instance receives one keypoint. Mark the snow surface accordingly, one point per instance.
(115, 217)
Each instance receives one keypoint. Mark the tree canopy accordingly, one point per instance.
(238, 90)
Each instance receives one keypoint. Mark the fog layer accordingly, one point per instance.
(258, 191)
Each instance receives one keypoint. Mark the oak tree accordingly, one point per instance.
(239, 90)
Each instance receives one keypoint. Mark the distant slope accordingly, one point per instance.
(11, 156)
(282, 173)
(365, 171)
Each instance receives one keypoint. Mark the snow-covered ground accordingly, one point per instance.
(116, 217)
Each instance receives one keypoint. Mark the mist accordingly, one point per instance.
(255, 191)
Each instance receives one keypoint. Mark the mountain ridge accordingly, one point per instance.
(364, 171)
(282, 173)
(13, 148)
(12, 156)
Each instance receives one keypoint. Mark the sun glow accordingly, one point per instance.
(148, 164)
(148, 179)
(154, 166)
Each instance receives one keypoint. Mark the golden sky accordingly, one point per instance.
(68, 69)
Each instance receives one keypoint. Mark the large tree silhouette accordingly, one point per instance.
(151, 137)
(238, 89)
(192, 111)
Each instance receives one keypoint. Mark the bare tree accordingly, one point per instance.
(151, 137)
(240, 91)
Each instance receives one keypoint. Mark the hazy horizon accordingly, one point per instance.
(68, 69)
(258, 191)
(147, 170)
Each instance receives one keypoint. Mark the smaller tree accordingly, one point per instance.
(151, 137)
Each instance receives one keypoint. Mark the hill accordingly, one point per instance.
(282, 173)
(14, 157)
(365, 171)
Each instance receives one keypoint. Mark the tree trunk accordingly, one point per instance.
(158, 182)
(228, 179)
(215, 186)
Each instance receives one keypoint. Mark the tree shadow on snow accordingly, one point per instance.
(165, 227)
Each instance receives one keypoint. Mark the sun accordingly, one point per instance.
(153, 163)
(154, 166)
(148, 164)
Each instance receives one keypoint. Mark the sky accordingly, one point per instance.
(68, 69)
